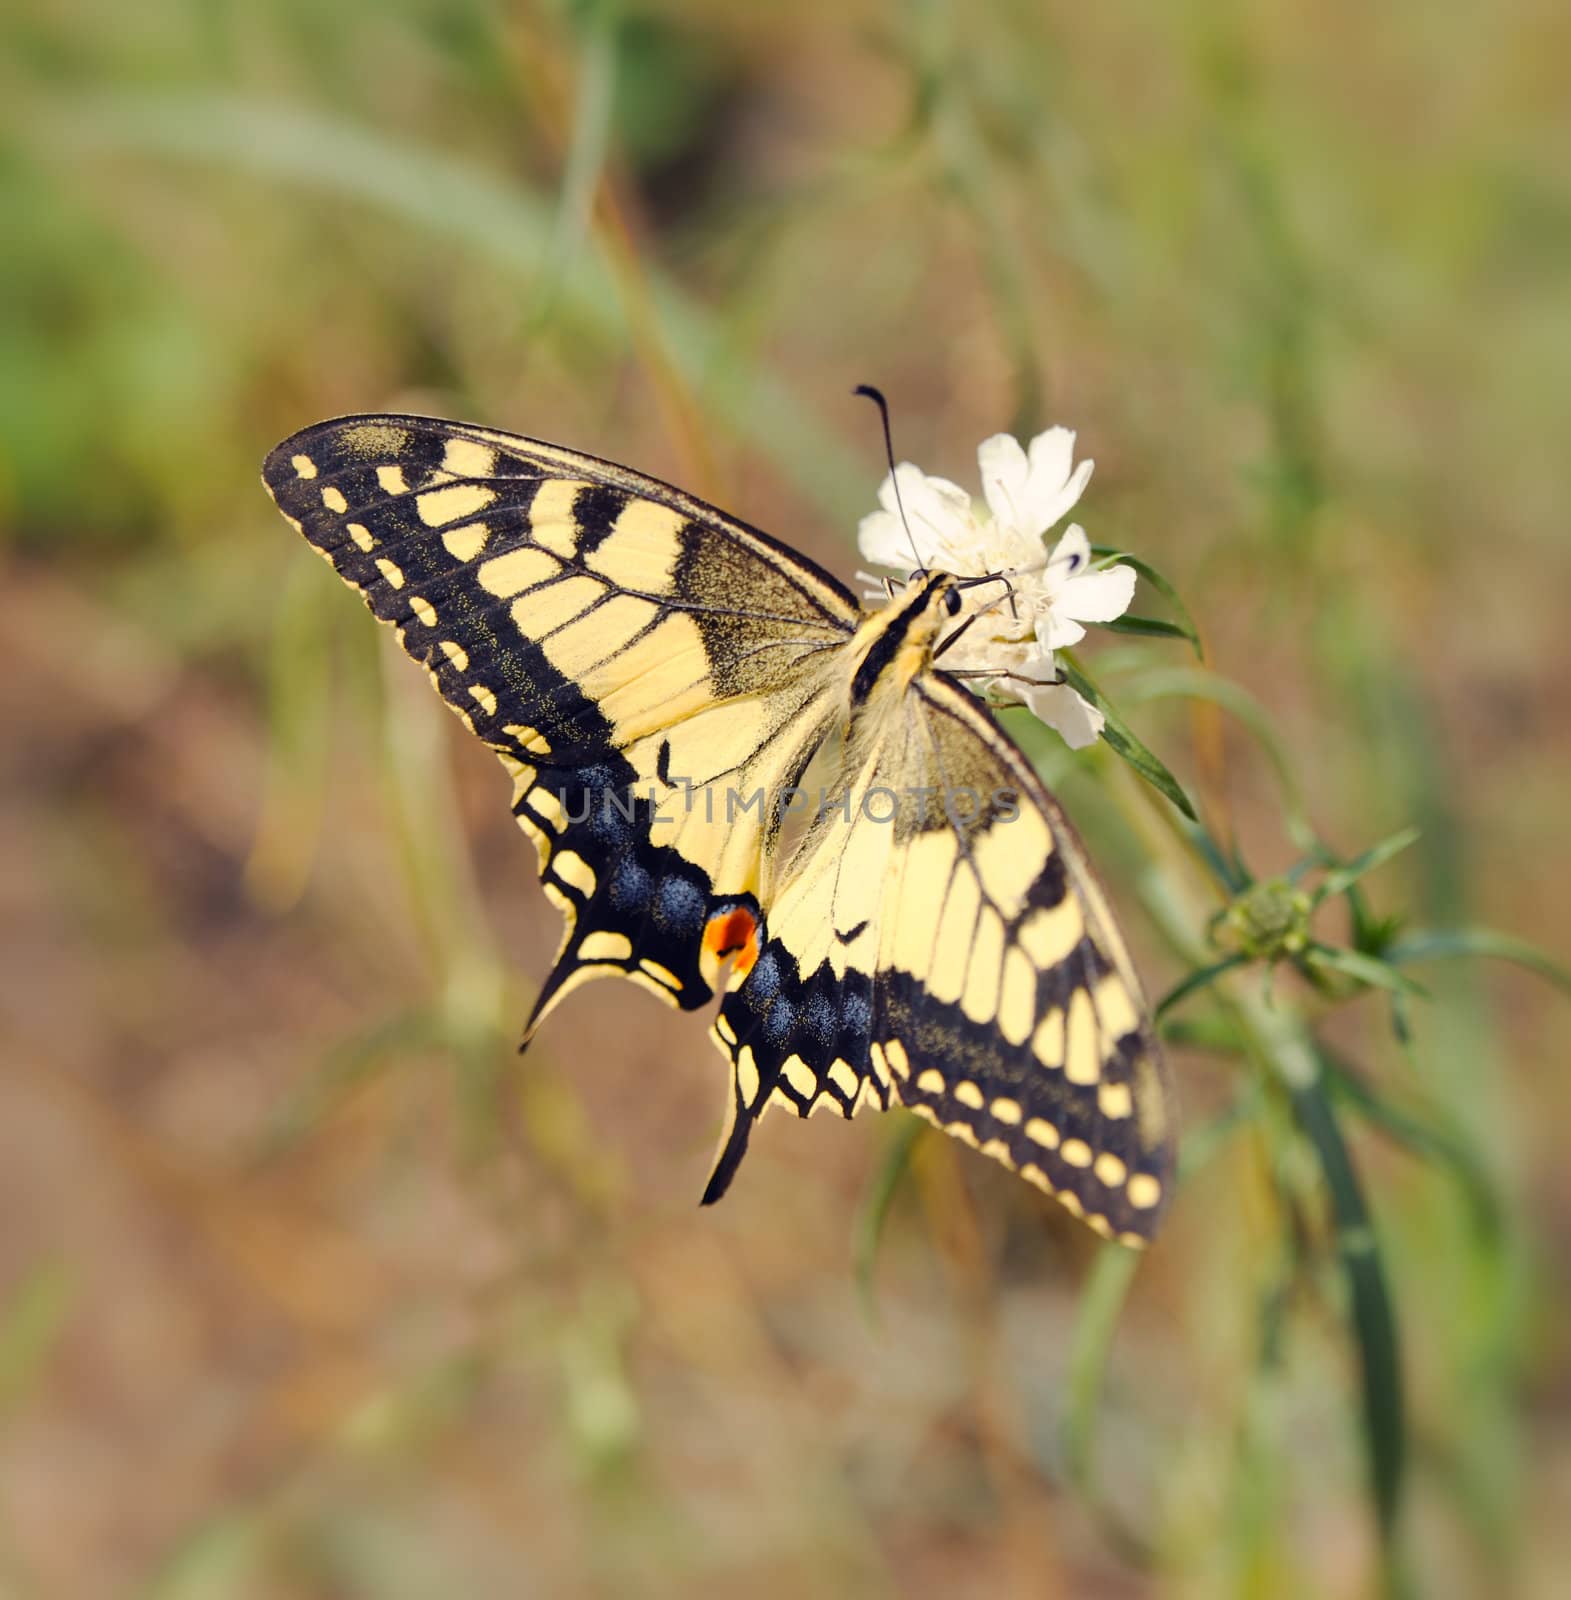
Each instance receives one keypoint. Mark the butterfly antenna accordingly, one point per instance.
(877, 397)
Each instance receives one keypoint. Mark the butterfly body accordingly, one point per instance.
(657, 677)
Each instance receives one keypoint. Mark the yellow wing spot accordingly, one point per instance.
(969, 1095)
(468, 458)
(1135, 1241)
(895, 1054)
(999, 1151)
(360, 534)
(423, 609)
(1049, 936)
(800, 1076)
(1006, 1110)
(979, 999)
(391, 571)
(1144, 1191)
(1048, 1041)
(505, 576)
(1070, 1201)
(487, 700)
(1017, 1001)
(1110, 1169)
(1076, 1152)
(304, 466)
(546, 802)
(660, 974)
(930, 1082)
(1115, 1009)
(464, 544)
(551, 521)
(1083, 1062)
(455, 502)
(843, 1078)
(1102, 1225)
(880, 1065)
(1043, 1133)
(1114, 1100)
(574, 871)
(869, 1095)
(537, 743)
(778, 1097)
(603, 945)
(334, 499)
(963, 1131)
(1034, 1174)
(724, 1029)
(456, 653)
(391, 480)
(927, 1114)
(747, 1076)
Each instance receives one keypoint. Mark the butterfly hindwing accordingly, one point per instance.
(960, 960)
(622, 647)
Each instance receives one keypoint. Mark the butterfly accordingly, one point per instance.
(657, 677)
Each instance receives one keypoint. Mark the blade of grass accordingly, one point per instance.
(867, 1230)
(1372, 1316)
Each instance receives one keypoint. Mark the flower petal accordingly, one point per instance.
(1097, 596)
(1052, 488)
(936, 512)
(1005, 472)
(1061, 708)
(1055, 631)
(882, 539)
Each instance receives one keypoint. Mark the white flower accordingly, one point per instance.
(1011, 628)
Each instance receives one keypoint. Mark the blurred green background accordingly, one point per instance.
(307, 1288)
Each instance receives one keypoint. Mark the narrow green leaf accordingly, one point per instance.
(1150, 627)
(867, 1230)
(1445, 943)
(1373, 1316)
(1194, 982)
(1368, 970)
(1344, 877)
(1447, 1147)
(1124, 743)
(1096, 1320)
(1227, 867)
(1107, 555)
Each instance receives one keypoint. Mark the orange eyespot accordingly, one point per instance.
(733, 933)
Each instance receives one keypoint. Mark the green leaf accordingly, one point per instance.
(1194, 982)
(1445, 943)
(1368, 970)
(1149, 627)
(1124, 743)
(1343, 878)
(1186, 623)
(1422, 1138)
(1096, 1320)
(868, 1229)
(1373, 1316)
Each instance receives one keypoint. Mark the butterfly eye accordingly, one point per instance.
(952, 601)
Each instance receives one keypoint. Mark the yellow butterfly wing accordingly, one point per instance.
(940, 941)
(629, 652)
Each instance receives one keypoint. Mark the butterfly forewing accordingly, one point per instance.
(620, 645)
